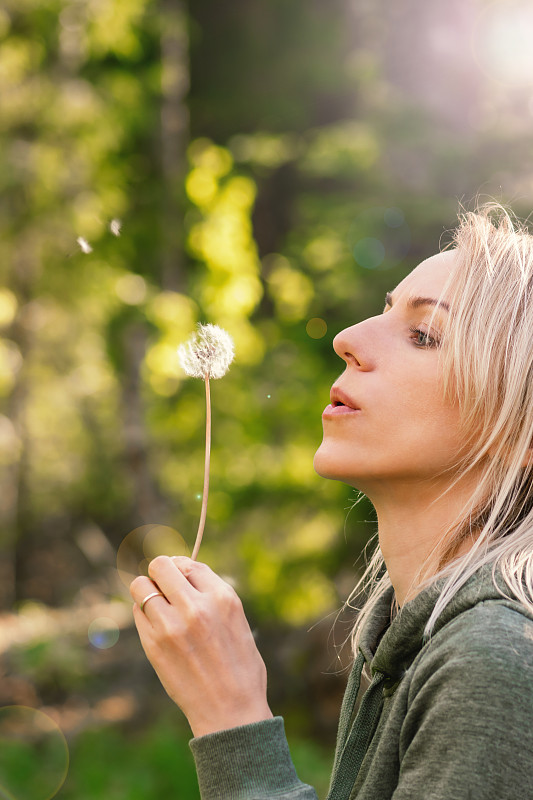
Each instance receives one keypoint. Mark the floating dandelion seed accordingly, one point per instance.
(84, 245)
(115, 227)
(207, 354)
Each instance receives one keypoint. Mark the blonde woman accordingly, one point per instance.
(432, 419)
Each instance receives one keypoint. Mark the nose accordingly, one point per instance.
(353, 346)
(343, 344)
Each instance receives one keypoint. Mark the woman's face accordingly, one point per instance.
(395, 428)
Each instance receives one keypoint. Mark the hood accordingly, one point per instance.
(391, 647)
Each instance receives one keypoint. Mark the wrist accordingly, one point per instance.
(234, 720)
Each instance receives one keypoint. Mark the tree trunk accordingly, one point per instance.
(174, 138)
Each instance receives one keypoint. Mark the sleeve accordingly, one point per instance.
(467, 734)
(251, 762)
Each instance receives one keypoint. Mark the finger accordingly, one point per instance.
(171, 580)
(147, 596)
(141, 586)
(200, 575)
(144, 626)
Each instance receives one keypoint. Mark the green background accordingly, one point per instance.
(276, 166)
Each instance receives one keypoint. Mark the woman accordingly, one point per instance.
(432, 419)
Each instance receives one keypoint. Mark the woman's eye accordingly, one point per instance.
(423, 339)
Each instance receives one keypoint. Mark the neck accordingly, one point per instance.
(412, 522)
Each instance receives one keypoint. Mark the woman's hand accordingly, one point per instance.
(198, 640)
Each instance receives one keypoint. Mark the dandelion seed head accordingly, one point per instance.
(84, 245)
(115, 226)
(208, 353)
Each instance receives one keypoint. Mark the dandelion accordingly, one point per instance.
(208, 354)
(115, 227)
(84, 245)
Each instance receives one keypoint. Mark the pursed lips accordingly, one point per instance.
(341, 403)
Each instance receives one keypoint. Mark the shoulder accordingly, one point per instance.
(495, 626)
(489, 647)
(466, 726)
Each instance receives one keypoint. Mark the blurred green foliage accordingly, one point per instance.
(271, 167)
(166, 767)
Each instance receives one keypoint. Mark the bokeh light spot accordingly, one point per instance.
(142, 545)
(34, 756)
(393, 217)
(8, 307)
(379, 237)
(131, 289)
(316, 328)
(103, 633)
(502, 42)
(369, 252)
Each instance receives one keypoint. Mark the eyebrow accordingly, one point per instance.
(416, 302)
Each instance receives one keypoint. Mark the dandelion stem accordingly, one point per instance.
(203, 512)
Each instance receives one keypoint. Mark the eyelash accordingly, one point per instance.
(430, 340)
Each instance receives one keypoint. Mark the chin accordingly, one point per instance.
(326, 464)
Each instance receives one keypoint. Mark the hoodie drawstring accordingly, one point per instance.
(353, 743)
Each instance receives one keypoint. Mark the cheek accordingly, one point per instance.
(428, 428)
(416, 430)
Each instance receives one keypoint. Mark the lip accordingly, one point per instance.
(339, 411)
(337, 397)
(340, 405)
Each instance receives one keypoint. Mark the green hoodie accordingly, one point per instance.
(446, 719)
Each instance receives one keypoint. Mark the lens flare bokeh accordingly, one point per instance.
(502, 42)
(379, 238)
(34, 755)
(103, 633)
(143, 544)
(316, 328)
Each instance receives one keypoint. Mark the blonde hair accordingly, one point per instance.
(487, 368)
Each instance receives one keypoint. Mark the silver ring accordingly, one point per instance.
(149, 597)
